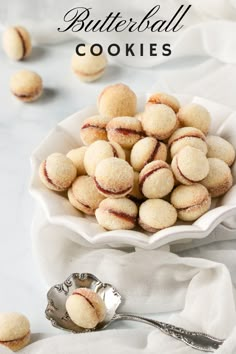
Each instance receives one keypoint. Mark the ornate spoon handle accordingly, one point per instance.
(196, 340)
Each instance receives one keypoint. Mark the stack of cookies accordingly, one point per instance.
(147, 168)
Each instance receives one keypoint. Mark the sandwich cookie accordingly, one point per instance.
(147, 150)
(117, 214)
(187, 136)
(117, 101)
(26, 86)
(125, 131)
(195, 115)
(98, 151)
(14, 330)
(191, 202)
(219, 180)
(159, 121)
(94, 128)
(190, 165)
(163, 98)
(156, 180)
(17, 42)
(57, 172)
(114, 177)
(221, 149)
(88, 67)
(156, 214)
(84, 196)
(85, 308)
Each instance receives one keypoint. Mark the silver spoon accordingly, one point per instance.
(56, 312)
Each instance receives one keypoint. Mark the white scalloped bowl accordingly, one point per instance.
(60, 212)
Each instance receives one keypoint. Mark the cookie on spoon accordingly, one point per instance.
(85, 308)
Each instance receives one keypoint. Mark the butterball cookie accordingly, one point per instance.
(163, 98)
(77, 157)
(125, 131)
(156, 180)
(94, 128)
(147, 150)
(116, 101)
(84, 196)
(117, 214)
(187, 136)
(99, 151)
(190, 165)
(114, 177)
(156, 214)
(195, 115)
(26, 85)
(14, 330)
(219, 180)
(159, 121)
(57, 172)
(221, 149)
(88, 67)
(191, 201)
(85, 308)
(17, 42)
(136, 195)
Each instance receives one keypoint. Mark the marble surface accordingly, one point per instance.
(22, 127)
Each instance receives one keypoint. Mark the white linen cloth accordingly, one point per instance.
(198, 282)
(200, 289)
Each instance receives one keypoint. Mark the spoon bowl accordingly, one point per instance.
(58, 294)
